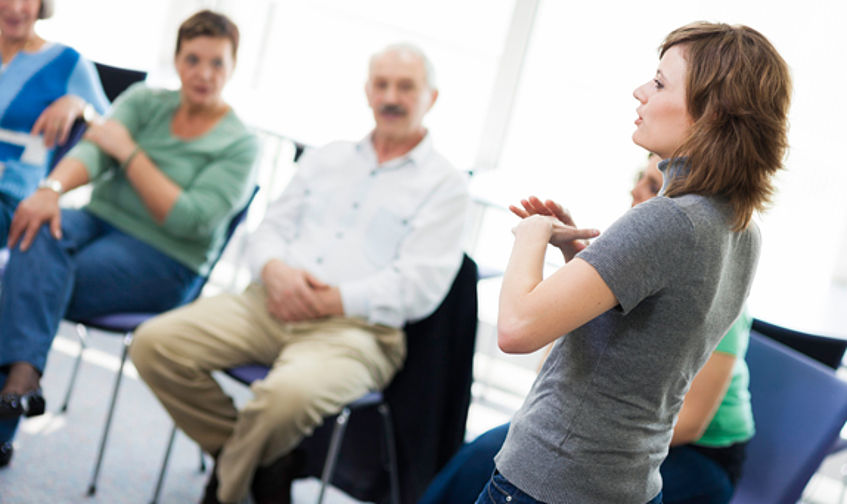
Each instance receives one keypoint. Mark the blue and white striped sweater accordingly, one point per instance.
(29, 83)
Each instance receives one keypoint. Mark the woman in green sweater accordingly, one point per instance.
(168, 169)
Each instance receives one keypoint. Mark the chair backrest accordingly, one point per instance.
(114, 80)
(828, 351)
(799, 407)
(429, 399)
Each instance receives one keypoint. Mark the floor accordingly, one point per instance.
(55, 452)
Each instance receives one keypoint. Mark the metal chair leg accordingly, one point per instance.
(393, 469)
(334, 448)
(81, 334)
(92, 487)
(161, 480)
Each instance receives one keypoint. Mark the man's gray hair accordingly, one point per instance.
(405, 47)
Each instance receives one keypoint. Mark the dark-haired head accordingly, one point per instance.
(207, 23)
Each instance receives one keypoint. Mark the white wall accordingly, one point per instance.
(570, 135)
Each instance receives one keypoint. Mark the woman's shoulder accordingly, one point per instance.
(53, 55)
(712, 212)
(660, 208)
(61, 48)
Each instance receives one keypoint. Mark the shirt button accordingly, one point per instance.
(356, 205)
(319, 260)
(339, 235)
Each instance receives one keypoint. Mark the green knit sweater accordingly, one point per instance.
(215, 171)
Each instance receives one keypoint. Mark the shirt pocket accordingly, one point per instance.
(383, 237)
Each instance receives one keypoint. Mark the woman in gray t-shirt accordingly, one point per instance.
(644, 305)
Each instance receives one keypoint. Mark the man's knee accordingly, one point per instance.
(150, 342)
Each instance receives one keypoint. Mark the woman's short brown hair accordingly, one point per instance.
(738, 91)
(208, 24)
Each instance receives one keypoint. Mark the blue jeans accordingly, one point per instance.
(500, 491)
(95, 269)
(466, 473)
(7, 210)
(7, 427)
(689, 477)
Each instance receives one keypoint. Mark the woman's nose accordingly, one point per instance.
(639, 94)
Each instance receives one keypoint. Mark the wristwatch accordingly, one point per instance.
(52, 184)
(88, 113)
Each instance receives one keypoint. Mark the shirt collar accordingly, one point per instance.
(416, 156)
(671, 169)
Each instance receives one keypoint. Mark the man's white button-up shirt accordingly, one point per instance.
(388, 235)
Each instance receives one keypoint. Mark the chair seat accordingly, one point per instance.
(249, 373)
(117, 322)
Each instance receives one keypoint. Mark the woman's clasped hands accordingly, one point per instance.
(551, 218)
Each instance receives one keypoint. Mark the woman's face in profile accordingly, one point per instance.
(17, 18)
(204, 65)
(663, 119)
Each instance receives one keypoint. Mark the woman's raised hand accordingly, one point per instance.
(565, 235)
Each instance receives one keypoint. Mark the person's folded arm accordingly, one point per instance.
(83, 89)
(212, 197)
(638, 256)
(534, 311)
(128, 110)
(191, 211)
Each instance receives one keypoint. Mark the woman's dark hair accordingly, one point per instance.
(738, 91)
(208, 24)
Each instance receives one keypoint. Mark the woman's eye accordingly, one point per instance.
(658, 84)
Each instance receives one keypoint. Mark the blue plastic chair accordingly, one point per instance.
(799, 407)
(125, 324)
(826, 350)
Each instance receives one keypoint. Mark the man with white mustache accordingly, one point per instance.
(366, 237)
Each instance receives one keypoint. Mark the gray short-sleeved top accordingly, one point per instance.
(597, 423)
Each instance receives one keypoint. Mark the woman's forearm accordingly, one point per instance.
(523, 273)
(533, 310)
(157, 191)
(71, 173)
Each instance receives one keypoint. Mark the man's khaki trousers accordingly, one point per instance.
(317, 368)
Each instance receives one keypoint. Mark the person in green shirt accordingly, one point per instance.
(168, 169)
